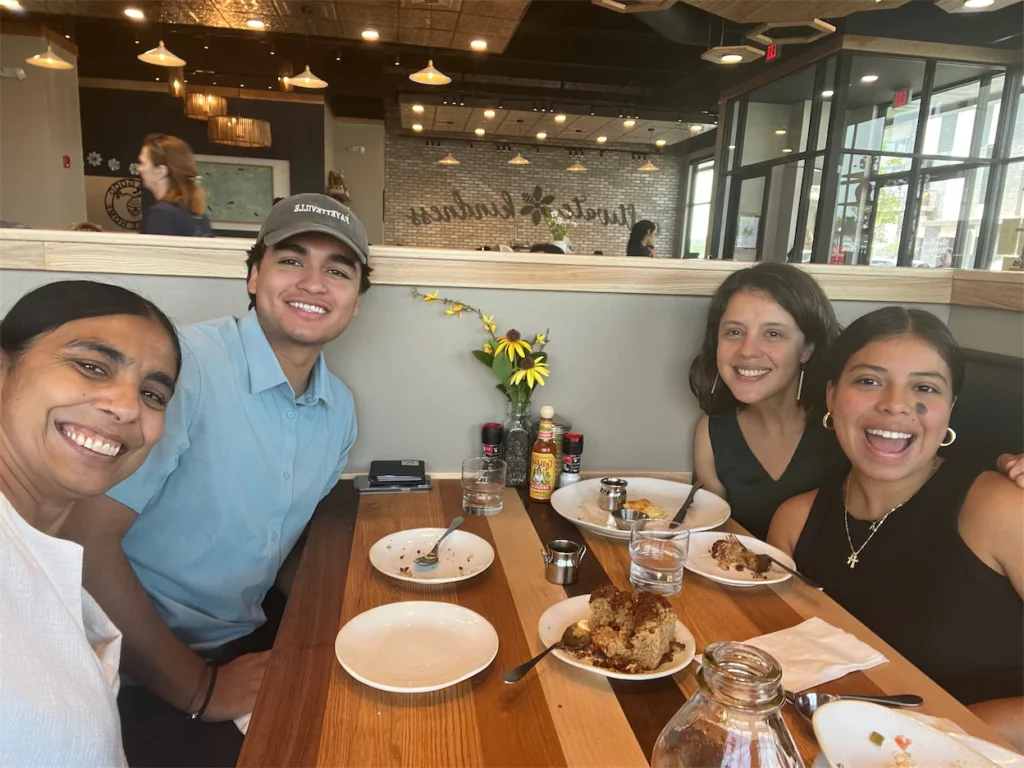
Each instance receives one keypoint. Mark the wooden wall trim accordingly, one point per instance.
(224, 257)
(896, 47)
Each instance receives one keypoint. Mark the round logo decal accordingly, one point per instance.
(123, 202)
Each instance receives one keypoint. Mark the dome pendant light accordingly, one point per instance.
(307, 80)
(519, 160)
(161, 57)
(448, 160)
(576, 167)
(48, 59)
(648, 167)
(429, 75)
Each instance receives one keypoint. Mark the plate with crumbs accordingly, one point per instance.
(739, 564)
(461, 556)
(558, 617)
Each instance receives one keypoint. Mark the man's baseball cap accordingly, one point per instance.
(312, 212)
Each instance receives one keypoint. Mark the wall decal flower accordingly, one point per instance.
(94, 159)
(113, 164)
(536, 204)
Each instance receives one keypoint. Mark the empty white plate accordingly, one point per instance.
(560, 615)
(415, 647)
(461, 556)
(577, 503)
(843, 730)
(700, 561)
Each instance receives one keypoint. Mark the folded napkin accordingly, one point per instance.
(815, 652)
(242, 723)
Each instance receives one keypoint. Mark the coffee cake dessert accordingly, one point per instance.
(631, 632)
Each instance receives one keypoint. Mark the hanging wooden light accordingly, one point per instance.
(203, 106)
(239, 131)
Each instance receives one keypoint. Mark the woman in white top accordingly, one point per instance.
(86, 371)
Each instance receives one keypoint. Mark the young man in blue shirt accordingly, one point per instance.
(182, 554)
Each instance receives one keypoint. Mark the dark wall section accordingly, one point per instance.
(926, 22)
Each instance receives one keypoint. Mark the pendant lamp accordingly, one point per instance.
(430, 75)
(307, 80)
(519, 160)
(448, 160)
(161, 57)
(239, 131)
(203, 106)
(48, 59)
(648, 167)
(576, 168)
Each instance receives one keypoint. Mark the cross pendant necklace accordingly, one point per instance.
(852, 560)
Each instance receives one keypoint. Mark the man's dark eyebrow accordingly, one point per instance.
(344, 258)
(291, 245)
(116, 356)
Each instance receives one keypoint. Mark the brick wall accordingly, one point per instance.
(484, 196)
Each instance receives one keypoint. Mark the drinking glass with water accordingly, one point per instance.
(483, 485)
(657, 553)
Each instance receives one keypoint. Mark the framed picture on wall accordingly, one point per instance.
(240, 191)
(746, 231)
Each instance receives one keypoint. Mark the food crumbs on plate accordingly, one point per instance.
(460, 567)
(401, 557)
(404, 569)
(876, 738)
(469, 558)
(902, 742)
(388, 547)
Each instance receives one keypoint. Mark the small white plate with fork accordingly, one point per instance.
(700, 561)
(461, 556)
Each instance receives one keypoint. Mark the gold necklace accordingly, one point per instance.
(854, 557)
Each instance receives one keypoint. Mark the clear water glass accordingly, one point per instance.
(483, 485)
(657, 553)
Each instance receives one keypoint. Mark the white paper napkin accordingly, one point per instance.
(815, 652)
(242, 723)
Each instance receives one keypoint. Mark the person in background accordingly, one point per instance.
(641, 239)
(928, 553)
(83, 226)
(196, 551)
(168, 170)
(545, 248)
(86, 372)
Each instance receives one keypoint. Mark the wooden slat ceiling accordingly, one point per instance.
(749, 11)
(444, 24)
(512, 125)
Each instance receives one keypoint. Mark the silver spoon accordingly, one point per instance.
(576, 635)
(807, 703)
(429, 560)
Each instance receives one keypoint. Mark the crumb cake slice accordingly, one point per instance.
(634, 631)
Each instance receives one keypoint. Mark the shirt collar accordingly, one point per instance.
(265, 371)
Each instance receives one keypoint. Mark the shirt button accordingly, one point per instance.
(291, 414)
(287, 475)
(273, 536)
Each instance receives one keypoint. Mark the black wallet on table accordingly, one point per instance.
(399, 472)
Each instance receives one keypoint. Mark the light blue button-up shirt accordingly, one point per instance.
(228, 490)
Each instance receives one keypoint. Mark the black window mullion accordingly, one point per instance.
(987, 237)
(830, 169)
(804, 198)
(720, 235)
(908, 237)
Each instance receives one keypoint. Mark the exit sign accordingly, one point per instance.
(900, 98)
(772, 53)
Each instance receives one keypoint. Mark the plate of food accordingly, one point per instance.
(855, 734)
(658, 499)
(740, 561)
(626, 635)
(462, 555)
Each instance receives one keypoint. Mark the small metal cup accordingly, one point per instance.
(612, 496)
(625, 519)
(562, 561)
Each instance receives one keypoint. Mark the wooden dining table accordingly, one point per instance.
(311, 712)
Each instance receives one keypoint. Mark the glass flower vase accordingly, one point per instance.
(517, 442)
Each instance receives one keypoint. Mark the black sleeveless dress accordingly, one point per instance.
(920, 588)
(753, 494)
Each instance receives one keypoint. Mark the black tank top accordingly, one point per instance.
(920, 588)
(752, 493)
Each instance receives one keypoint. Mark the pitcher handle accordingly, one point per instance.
(583, 551)
(548, 557)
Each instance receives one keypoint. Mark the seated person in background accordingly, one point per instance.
(183, 554)
(928, 553)
(545, 248)
(83, 226)
(86, 372)
(168, 169)
(641, 239)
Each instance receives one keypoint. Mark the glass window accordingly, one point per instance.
(778, 118)
(871, 121)
(959, 90)
(1009, 239)
(748, 219)
(1017, 143)
(870, 207)
(698, 208)
(827, 94)
(938, 221)
(992, 107)
(732, 118)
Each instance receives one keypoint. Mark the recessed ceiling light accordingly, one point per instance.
(542, 135)
(417, 108)
(559, 118)
(370, 34)
(978, 3)
(602, 139)
(869, 78)
(695, 129)
(732, 146)
(629, 123)
(828, 94)
(479, 131)
(11, 5)
(732, 58)
(478, 45)
(417, 127)
(134, 13)
(786, 150)
(780, 132)
(660, 143)
(489, 114)
(255, 24)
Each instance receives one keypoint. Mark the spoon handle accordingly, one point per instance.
(516, 674)
(904, 700)
(451, 527)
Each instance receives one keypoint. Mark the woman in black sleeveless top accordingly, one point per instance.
(758, 381)
(928, 554)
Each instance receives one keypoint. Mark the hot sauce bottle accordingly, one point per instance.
(542, 463)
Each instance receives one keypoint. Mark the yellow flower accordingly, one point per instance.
(513, 344)
(489, 325)
(454, 309)
(532, 370)
(541, 338)
(430, 298)
(487, 348)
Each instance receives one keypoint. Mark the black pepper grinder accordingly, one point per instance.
(490, 439)
(572, 453)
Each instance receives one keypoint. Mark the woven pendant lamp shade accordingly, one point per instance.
(202, 106)
(239, 131)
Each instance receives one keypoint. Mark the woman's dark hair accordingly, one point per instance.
(50, 306)
(639, 231)
(796, 292)
(259, 250)
(890, 322)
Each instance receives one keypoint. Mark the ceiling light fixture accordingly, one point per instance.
(518, 160)
(732, 54)
(732, 146)
(489, 114)
(161, 57)
(417, 108)
(542, 135)
(255, 24)
(479, 131)
(134, 13)
(559, 118)
(11, 5)
(417, 127)
(50, 60)
(660, 143)
(203, 106)
(828, 94)
(780, 132)
(629, 123)
(430, 75)
(306, 79)
(370, 34)
(786, 150)
(978, 3)
(478, 45)
(696, 128)
(238, 131)
(869, 78)
(602, 139)
(448, 160)
(576, 167)
(648, 167)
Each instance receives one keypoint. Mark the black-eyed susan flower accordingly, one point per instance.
(532, 370)
(512, 343)
(541, 338)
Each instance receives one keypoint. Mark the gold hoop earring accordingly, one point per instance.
(714, 384)
(950, 437)
(824, 421)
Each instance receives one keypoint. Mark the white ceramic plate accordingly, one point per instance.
(700, 561)
(560, 615)
(843, 730)
(415, 647)
(577, 503)
(462, 555)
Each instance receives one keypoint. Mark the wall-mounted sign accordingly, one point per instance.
(901, 98)
(535, 205)
(772, 52)
(123, 203)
